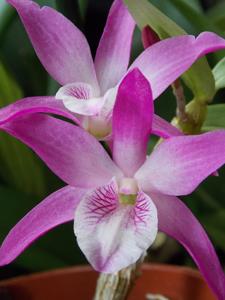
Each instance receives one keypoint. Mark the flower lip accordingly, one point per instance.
(108, 230)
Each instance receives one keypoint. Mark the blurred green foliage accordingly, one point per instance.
(24, 180)
(16, 158)
(215, 118)
(219, 74)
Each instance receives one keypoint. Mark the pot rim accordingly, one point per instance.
(88, 269)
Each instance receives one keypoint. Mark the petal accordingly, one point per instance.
(209, 42)
(176, 220)
(79, 98)
(165, 61)
(132, 121)
(109, 102)
(60, 46)
(113, 52)
(162, 128)
(69, 151)
(111, 235)
(56, 209)
(179, 164)
(34, 105)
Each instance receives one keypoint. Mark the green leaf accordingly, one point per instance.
(145, 14)
(195, 4)
(53, 86)
(206, 200)
(7, 15)
(219, 74)
(9, 89)
(3, 8)
(207, 203)
(50, 3)
(75, 10)
(22, 60)
(19, 167)
(217, 15)
(215, 117)
(199, 77)
(186, 14)
(38, 259)
(197, 19)
(215, 224)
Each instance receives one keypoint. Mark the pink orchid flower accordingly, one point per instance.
(118, 204)
(89, 89)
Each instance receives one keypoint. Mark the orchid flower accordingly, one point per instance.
(89, 89)
(118, 204)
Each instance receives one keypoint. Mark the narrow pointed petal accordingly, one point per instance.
(32, 105)
(111, 235)
(113, 52)
(132, 122)
(164, 129)
(179, 164)
(79, 98)
(176, 220)
(60, 46)
(56, 209)
(165, 61)
(69, 151)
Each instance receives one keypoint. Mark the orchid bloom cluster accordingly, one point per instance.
(89, 89)
(118, 202)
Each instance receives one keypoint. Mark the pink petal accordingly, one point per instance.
(60, 46)
(176, 220)
(209, 42)
(80, 98)
(165, 61)
(162, 128)
(111, 235)
(109, 102)
(132, 121)
(179, 164)
(113, 52)
(34, 105)
(56, 209)
(69, 151)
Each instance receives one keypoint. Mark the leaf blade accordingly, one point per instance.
(16, 159)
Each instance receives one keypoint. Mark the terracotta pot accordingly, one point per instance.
(78, 283)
